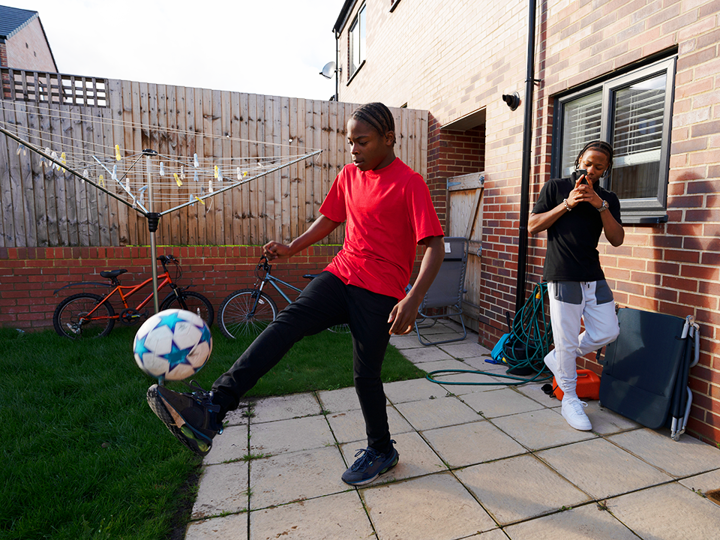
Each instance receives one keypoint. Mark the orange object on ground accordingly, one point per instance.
(588, 385)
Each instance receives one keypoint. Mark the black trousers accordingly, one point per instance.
(325, 302)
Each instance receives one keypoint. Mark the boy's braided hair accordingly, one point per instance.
(600, 146)
(376, 115)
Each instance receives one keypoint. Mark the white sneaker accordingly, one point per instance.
(572, 411)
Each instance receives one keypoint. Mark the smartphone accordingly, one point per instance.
(582, 172)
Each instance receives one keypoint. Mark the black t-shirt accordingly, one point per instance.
(572, 253)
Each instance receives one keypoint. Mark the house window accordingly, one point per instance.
(357, 42)
(632, 112)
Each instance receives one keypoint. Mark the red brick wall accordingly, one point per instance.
(30, 275)
(457, 58)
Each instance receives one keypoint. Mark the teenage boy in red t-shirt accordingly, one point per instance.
(388, 211)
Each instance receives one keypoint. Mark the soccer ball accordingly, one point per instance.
(172, 345)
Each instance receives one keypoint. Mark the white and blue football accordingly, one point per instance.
(172, 345)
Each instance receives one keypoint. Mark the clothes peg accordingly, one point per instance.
(220, 176)
(210, 188)
(162, 169)
(114, 173)
(20, 149)
(196, 163)
(195, 176)
(101, 180)
(127, 185)
(54, 155)
(117, 152)
(239, 174)
(85, 174)
(177, 179)
(217, 171)
(63, 158)
(182, 172)
(201, 201)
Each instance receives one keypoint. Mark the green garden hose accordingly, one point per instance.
(525, 350)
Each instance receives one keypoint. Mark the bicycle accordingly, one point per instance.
(91, 315)
(248, 311)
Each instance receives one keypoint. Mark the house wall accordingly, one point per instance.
(456, 58)
(28, 49)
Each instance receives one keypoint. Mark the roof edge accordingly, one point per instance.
(343, 16)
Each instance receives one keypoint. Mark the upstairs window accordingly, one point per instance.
(357, 42)
(632, 112)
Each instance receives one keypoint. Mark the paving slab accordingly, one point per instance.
(238, 417)
(469, 444)
(605, 421)
(296, 476)
(584, 523)
(284, 408)
(233, 527)
(350, 425)
(332, 517)
(435, 507)
(540, 429)
(230, 445)
(709, 481)
(426, 354)
(535, 391)
(416, 458)
(466, 349)
(500, 402)
(452, 363)
(409, 341)
(222, 489)
(667, 512)
(601, 469)
(413, 390)
(678, 458)
(344, 399)
(434, 413)
(519, 488)
(290, 435)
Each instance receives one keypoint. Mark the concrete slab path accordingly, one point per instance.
(476, 462)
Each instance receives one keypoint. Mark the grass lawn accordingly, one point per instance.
(83, 456)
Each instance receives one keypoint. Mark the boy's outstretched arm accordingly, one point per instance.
(404, 313)
(317, 231)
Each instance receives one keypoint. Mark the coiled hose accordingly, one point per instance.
(525, 350)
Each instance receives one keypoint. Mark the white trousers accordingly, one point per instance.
(571, 302)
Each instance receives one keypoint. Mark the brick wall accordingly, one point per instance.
(30, 275)
(456, 58)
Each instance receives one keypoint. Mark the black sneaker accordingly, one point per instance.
(191, 417)
(370, 465)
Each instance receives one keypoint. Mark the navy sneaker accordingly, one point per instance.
(191, 417)
(369, 465)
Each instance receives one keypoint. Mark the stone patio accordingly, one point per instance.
(480, 462)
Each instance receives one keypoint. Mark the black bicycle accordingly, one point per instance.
(247, 312)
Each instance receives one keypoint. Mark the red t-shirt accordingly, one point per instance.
(387, 212)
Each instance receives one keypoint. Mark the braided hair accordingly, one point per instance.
(600, 146)
(376, 115)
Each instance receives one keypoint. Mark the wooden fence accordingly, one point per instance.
(41, 206)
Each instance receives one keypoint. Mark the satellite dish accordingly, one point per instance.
(328, 70)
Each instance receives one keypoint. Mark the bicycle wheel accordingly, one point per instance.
(191, 301)
(241, 315)
(68, 315)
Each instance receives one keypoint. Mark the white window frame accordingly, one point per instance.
(636, 210)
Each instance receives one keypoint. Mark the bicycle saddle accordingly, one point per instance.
(112, 273)
(311, 276)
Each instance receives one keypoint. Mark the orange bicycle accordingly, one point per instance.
(90, 315)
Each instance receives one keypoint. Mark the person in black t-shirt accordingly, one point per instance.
(574, 211)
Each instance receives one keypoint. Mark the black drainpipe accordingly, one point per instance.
(526, 163)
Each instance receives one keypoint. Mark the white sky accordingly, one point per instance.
(274, 47)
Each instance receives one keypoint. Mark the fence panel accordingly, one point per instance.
(42, 205)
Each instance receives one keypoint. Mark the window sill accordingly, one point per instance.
(354, 74)
(643, 218)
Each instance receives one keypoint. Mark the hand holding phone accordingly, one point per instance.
(583, 173)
